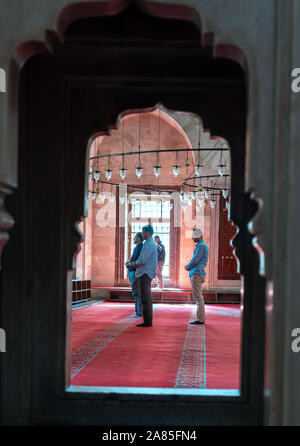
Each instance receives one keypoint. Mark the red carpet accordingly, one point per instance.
(109, 350)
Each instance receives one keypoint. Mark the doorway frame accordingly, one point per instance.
(247, 408)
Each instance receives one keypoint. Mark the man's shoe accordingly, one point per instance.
(144, 325)
(197, 323)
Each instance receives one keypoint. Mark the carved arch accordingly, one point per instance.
(71, 206)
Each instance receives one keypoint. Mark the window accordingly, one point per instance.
(157, 212)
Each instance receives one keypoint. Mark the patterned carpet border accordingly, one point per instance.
(233, 313)
(88, 351)
(191, 372)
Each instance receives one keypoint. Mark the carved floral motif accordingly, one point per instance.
(227, 265)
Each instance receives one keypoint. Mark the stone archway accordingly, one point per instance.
(74, 209)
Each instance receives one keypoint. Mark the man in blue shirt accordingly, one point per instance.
(146, 266)
(135, 285)
(197, 274)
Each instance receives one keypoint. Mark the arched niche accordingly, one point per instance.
(61, 87)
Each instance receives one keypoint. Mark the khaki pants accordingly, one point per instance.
(160, 265)
(197, 281)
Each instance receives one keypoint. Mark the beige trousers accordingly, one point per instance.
(160, 265)
(197, 281)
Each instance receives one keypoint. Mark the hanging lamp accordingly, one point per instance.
(221, 166)
(139, 168)
(213, 203)
(187, 161)
(157, 167)
(225, 191)
(123, 170)
(176, 167)
(108, 171)
(199, 166)
(96, 169)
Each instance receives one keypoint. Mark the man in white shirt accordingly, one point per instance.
(197, 273)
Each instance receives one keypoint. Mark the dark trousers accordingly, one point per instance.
(145, 287)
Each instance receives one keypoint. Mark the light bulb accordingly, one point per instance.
(200, 187)
(156, 170)
(123, 173)
(193, 195)
(198, 169)
(187, 162)
(176, 170)
(111, 198)
(90, 177)
(221, 170)
(102, 196)
(139, 171)
(96, 175)
(108, 174)
(213, 203)
(225, 193)
(206, 194)
(200, 202)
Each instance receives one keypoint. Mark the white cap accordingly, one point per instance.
(197, 233)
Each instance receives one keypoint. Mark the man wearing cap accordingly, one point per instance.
(197, 274)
